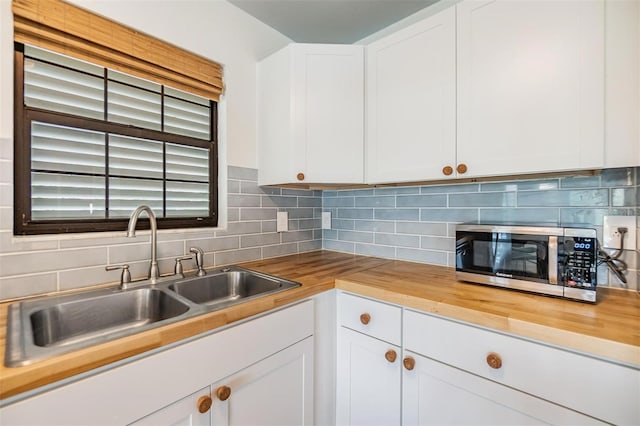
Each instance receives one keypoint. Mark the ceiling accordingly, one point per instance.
(330, 21)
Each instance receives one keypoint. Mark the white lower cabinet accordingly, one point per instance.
(437, 394)
(369, 373)
(189, 411)
(275, 391)
(266, 363)
(453, 373)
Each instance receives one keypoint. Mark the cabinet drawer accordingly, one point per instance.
(370, 317)
(601, 389)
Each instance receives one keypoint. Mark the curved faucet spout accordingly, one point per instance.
(154, 272)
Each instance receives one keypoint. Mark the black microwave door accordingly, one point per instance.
(507, 255)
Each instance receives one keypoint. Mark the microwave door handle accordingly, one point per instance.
(553, 259)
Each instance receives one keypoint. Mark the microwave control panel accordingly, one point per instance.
(580, 258)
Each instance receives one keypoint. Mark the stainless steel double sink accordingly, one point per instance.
(42, 328)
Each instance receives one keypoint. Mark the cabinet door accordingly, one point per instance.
(368, 388)
(186, 412)
(434, 393)
(411, 93)
(311, 115)
(275, 391)
(329, 113)
(530, 86)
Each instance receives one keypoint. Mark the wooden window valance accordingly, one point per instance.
(70, 30)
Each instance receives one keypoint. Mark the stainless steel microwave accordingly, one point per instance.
(553, 260)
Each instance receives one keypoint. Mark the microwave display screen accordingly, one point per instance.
(503, 254)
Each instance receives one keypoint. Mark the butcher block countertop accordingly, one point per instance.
(609, 329)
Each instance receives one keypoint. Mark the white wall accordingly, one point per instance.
(214, 29)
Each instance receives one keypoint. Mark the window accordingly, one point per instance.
(92, 144)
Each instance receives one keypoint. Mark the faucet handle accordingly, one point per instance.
(199, 260)
(178, 270)
(125, 277)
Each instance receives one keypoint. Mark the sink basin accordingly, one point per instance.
(229, 286)
(69, 322)
(41, 328)
(54, 325)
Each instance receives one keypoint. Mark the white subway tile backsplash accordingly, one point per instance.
(234, 256)
(279, 201)
(288, 237)
(564, 198)
(436, 200)
(11, 244)
(6, 149)
(6, 195)
(6, 219)
(422, 256)
(214, 244)
(259, 240)
(396, 214)
(236, 200)
(375, 250)
(248, 213)
(415, 223)
(6, 171)
(397, 240)
(48, 261)
(280, 250)
(430, 238)
(26, 285)
(342, 246)
(421, 228)
(315, 244)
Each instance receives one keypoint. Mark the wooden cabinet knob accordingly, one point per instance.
(300, 176)
(447, 170)
(365, 318)
(204, 403)
(462, 168)
(409, 363)
(494, 360)
(223, 393)
(391, 355)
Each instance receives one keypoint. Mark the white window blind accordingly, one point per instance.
(96, 168)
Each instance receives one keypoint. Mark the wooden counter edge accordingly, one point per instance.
(589, 345)
(16, 380)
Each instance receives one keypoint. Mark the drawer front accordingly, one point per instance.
(373, 318)
(601, 389)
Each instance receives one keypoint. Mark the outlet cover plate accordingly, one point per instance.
(610, 237)
(326, 220)
(282, 221)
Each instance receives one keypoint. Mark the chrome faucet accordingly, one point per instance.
(154, 272)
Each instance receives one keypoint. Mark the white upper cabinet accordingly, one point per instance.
(530, 86)
(411, 94)
(622, 83)
(311, 115)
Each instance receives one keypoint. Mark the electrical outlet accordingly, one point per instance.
(611, 236)
(282, 221)
(326, 220)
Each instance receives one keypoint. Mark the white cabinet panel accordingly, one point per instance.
(276, 391)
(311, 115)
(181, 413)
(383, 321)
(411, 88)
(598, 388)
(622, 83)
(437, 394)
(368, 391)
(530, 86)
